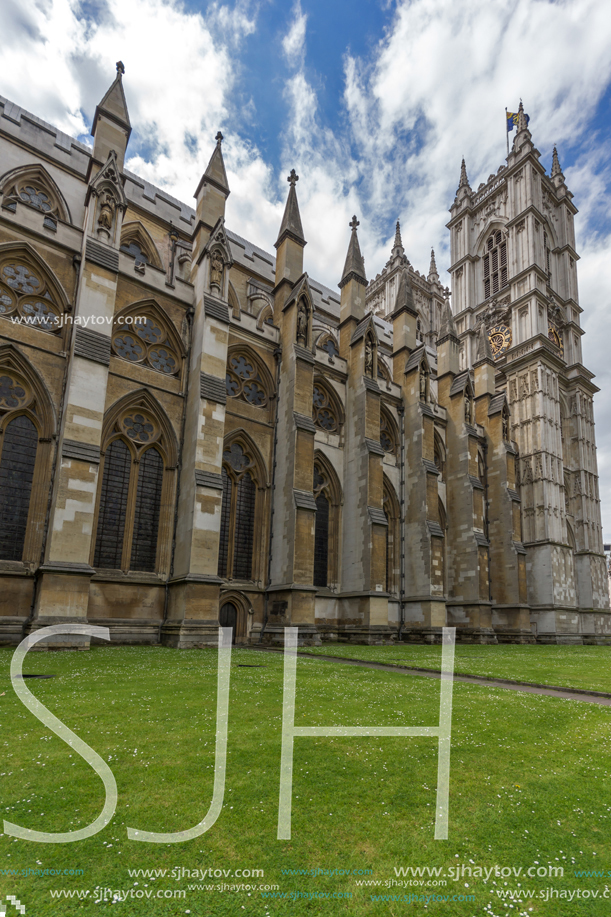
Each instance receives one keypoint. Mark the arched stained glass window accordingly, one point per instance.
(146, 516)
(321, 541)
(113, 506)
(236, 547)
(17, 461)
(131, 504)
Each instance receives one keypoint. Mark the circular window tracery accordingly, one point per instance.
(24, 293)
(142, 344)
(323, 412)
(139, 426)
(13, 393)
(243, 380)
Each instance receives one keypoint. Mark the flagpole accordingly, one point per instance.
(506, 133)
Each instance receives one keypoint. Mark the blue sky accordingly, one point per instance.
(373, 102)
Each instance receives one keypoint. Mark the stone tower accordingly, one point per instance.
(513, 267)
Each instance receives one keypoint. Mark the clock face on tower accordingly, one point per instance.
(555, 338)
(500, 340)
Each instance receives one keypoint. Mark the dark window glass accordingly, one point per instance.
(146, 518)
(321, 541)
(244, 528)
(16, 473)
(225, 517)
(113, 504)
(388, 558)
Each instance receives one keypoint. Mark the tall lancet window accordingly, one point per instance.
(321, 530)
(236, 547)
(17, 459)
(134, 496)
(495, 264)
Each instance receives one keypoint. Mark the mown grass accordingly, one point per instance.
(586, 667)
(530, 784)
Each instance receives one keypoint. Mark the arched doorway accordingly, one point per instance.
(228, 617)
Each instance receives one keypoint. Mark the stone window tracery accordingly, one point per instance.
(146, 341)
(35, 191)
(18, 448)
(324, 411)
(388, 439)
(130, 503)
(25, 294)
(244, 380)
(495, 263)
(238, 513)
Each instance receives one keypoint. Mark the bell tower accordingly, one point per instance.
(514, 271)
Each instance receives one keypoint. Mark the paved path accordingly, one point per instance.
(590, 697)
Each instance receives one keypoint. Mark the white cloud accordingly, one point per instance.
(294, 42)
(433, 89)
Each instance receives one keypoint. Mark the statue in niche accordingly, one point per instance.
(468, 409)
(369, 357)
(216, 270)
(505, 426)
(423, 382)
(302, 325)
(107, 212)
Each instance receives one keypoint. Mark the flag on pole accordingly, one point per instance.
(512, 120)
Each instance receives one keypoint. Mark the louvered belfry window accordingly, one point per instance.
(495, 264)
(131, 496)
(17, 461)
(236, 545)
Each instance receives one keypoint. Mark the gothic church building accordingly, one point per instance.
(194, 430)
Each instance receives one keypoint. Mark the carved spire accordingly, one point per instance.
(291, 221)
(522, 119)
(354, 268)
(464, 181)
(447, 322)
(433, 275)
(215, 173)
(484, 351)
(405, 294)
(111, 126)
(114, 103)
(556, 169)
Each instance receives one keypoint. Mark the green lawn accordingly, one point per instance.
(586, 667)
(530, 785)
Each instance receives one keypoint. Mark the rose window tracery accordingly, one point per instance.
(243, 380)
(25, 296)
(139, 427)
(323, 412)
(34, 194)
(12, 393)
(140, 340)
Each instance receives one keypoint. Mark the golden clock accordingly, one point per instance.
(500, 340)
(555, 338)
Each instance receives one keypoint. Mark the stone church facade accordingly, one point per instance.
(193, 430)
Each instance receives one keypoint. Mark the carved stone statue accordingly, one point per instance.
(468, 409)
(369, 357)
(216, 270)
(423, 382)
(107, 212)
(302, 325)
(505, 426)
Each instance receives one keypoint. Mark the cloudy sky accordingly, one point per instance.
(373, 102)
